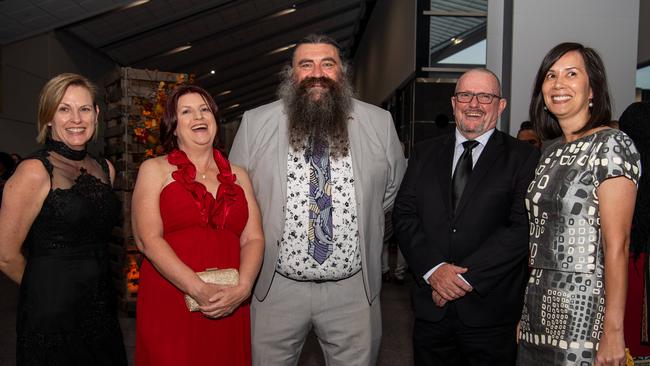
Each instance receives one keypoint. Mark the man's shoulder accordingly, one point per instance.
(269, 109)
(514, 144)
(361, 107)
(433, 143)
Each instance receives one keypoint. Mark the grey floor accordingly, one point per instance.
(395, 348)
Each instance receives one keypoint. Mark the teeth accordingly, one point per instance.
(561, 97)
(76, 129)
(197, 127)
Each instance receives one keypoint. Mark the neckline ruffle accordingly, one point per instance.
(213, 210)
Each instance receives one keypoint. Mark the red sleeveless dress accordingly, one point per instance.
(204, 232)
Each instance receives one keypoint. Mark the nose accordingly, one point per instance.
(474, 101)
(76, 115)
(558, 82)
(317, 71)
(198, 115)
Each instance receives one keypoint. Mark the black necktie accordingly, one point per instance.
(462, 172)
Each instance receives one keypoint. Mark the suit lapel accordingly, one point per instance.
(283, 151)
(443, 166)
(490, 154)
(354, 135)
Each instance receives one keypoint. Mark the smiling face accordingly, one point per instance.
(196, 122)
(314, 61)
(566, 90)
(473, 118)
(75, 119)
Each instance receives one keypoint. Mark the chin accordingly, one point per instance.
(77, 143)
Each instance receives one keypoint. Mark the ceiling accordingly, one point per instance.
(235, 48)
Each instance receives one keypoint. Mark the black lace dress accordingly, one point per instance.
(67, 307)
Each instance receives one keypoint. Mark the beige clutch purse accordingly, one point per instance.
(227, 277)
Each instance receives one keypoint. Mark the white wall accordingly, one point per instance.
(610, 27)
(26, 66)
(386, 54)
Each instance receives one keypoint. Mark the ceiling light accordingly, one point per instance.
(178, 49)
(282, 49)
(456, 41)
(232, 106)
(134, 4)
(282, 12)
(212, 72)
(225, 92)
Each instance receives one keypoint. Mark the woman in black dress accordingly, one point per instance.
(60, 208)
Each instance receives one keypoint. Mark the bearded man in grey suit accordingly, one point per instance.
(325, 167)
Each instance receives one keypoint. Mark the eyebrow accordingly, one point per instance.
(566, 68)
(305, 60)
(190, 106)
(70, 105)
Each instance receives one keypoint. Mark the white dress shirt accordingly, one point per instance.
(458, 151)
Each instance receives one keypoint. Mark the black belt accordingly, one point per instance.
(319, 281)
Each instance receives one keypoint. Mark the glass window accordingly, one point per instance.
(643, 78)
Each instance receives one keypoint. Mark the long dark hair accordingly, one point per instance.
(169, 121)
(544, 121)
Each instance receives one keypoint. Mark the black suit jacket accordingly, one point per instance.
(488, 234)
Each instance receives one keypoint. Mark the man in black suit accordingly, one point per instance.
(462, 225)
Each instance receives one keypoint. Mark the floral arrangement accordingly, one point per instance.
(146, 127)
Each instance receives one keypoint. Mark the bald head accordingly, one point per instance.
(495, 79)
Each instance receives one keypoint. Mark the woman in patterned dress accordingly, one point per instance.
(580, 206)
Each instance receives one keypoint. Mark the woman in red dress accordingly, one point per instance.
(191, 212)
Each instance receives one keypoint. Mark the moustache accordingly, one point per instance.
(322, 81)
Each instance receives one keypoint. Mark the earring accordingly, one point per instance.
(591, 103)
(545, 108)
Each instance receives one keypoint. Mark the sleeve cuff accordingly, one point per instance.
(430, 272)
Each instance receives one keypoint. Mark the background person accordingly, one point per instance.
(7, 167)
(635, 122)
(527, 133)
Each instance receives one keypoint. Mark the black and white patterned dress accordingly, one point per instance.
(562, 319)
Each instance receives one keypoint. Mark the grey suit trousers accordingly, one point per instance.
(347, 327)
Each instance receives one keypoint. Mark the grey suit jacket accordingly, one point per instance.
(261, 147)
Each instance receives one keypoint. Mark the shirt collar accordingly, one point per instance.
(483, 139)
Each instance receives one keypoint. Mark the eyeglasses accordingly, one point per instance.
(483, 98)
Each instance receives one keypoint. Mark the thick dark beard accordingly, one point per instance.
(322, 120)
